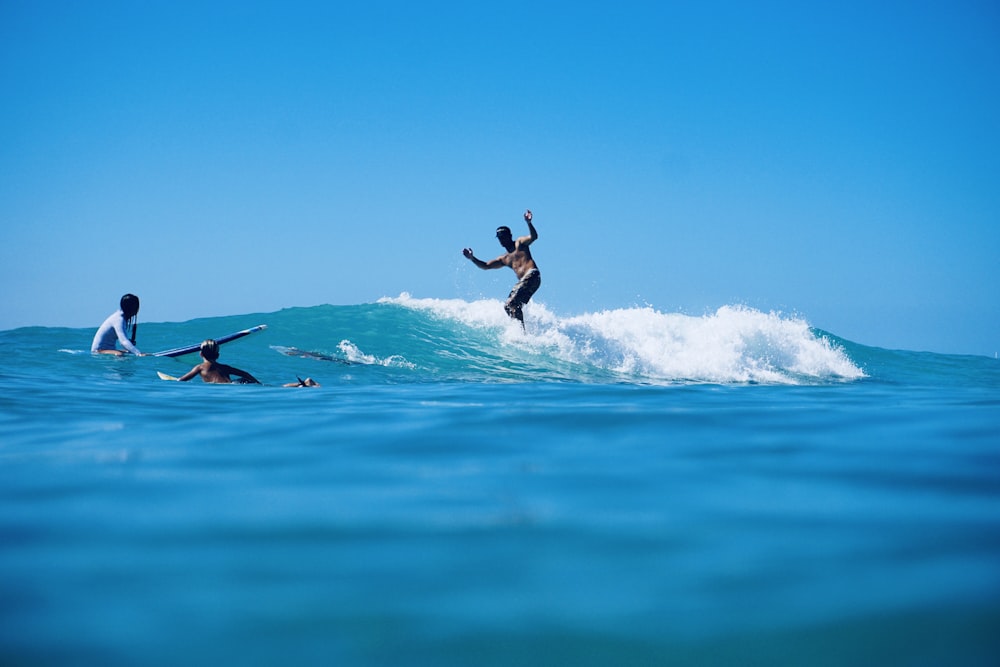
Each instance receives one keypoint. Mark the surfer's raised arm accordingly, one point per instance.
(533, 234)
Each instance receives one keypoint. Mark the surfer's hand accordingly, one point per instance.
(467, 252)
(527, 215)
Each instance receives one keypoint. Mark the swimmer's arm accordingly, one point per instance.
(190, 374)
(123, 338)
(246, 377)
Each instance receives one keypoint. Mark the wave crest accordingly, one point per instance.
(736, 344)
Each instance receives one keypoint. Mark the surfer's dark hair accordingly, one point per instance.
(210, 349)
(130, 308)
(505, 238)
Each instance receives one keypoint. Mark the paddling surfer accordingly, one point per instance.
(212, 371)
(518, 257)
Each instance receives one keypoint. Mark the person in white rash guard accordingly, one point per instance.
(115, 327)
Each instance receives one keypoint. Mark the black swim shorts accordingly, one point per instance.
(522, 292)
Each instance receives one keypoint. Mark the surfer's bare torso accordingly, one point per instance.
(520, 260)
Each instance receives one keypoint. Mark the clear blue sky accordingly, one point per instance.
(839, 161)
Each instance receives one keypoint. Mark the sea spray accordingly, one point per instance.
(734, 344)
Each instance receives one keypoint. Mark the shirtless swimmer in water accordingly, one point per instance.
(212, 371)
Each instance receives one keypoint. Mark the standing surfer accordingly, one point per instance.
(518, 258)
(114, 329)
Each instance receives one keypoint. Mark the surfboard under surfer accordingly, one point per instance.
(518, 257)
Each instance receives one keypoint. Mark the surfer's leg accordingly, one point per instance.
(521, 294)
(511, 306)
(514, 310)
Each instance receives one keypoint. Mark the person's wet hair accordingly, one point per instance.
(130, 308)
(129, 305)
(210, 350)
(505, 238)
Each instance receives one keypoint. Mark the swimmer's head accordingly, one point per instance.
(210, 350)
(505, 238)
(129, 305)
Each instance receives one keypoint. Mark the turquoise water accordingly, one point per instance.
(618, 488)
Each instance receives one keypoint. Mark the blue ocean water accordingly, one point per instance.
(626, 487)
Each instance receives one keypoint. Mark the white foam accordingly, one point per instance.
(353, 354)
(734, 344)
(482, 313)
